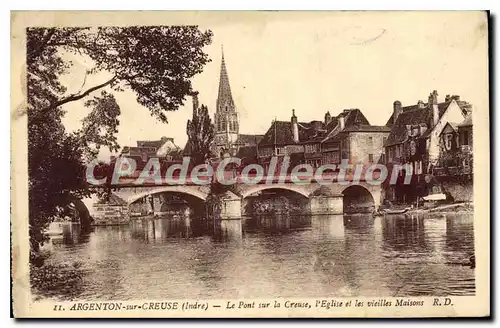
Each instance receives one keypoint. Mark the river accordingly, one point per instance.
(267, 257)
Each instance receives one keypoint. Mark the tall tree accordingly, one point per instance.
(155, 62)
(200, 131)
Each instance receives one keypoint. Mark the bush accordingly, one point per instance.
(58, 279)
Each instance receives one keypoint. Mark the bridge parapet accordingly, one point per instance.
(131, 194)
(329, 200)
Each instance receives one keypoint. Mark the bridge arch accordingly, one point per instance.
(264, 200)
(358, 198)
(173, 189)
(262, 187)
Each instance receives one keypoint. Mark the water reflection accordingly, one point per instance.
(459, 235)
(404, 234)
(169, 226)
(67, 233)
(277, 224)
(329, 257)
(227, 230)
(280, 256)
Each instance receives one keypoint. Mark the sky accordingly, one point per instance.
(315, 62)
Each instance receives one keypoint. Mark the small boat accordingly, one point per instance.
(394, 211)
(434, 197)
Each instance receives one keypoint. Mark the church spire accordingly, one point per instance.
(224, 99)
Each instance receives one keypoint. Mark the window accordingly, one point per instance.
(370, 141)
(370, 158)
(420, 167)
(465, 138)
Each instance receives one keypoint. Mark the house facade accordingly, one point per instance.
(420, 136)
(165, 149)
(465, 139)
(455, 158)
(347, 135)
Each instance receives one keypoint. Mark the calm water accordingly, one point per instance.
(308, 256)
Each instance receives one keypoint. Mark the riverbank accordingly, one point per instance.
(455, 208)
(50, 278)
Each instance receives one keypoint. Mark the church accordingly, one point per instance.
(228, 141)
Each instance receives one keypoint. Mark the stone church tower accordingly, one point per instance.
(226, 117)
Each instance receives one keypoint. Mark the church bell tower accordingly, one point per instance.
(226, 117)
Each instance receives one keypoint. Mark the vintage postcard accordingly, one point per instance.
(250, 164)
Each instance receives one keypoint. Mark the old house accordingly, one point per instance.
(465, 132)
(354, 139)
(419, 134)
(348, 135)
(455, 144)
(282, 138)
(465, 137)
(449, 149)
(165, 149)
(313, 135)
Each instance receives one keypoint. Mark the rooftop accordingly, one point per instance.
(280, 132)
(413, 115)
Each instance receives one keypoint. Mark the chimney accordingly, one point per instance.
(420, 104)
(328, 117)
(295, 127)
(455, 97)
(447, 98)
(435, 110)
(397, 110)
(342, 122)
(316, 125)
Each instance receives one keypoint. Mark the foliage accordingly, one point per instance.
(215, 198)
(56, 278)
(279, 205)
(156, 63)
(200, 131)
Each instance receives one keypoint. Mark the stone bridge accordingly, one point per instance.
(323, 199)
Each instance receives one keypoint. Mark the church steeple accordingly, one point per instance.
(226, 118)
(225, 98)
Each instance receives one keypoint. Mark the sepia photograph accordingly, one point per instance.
(250, 164)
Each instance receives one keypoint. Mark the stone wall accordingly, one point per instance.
(322, 205)
(110, 214)
(361, 146)
(460, 191)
